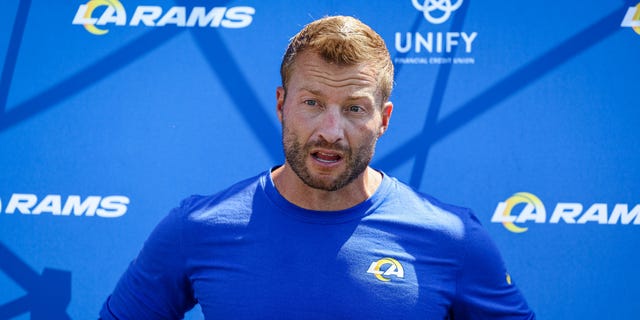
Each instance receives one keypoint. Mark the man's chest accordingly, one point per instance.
(297, 276)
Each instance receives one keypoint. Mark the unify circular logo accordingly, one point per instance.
(384, 268)
(442, 8)
(632, 18)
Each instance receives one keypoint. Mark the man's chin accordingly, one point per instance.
(322, 184)
(327, 182)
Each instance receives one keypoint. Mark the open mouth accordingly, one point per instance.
(326, 157)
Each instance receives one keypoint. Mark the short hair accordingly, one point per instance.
(345, 41)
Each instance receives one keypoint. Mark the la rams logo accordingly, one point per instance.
(386, 268)
(533, 204)
(114, 12)
(632, 18)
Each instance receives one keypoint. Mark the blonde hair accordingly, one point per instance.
(344, 41)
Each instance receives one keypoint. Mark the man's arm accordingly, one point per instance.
(155, 285)
(484, 288)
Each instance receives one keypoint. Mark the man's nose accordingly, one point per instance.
(331, 126)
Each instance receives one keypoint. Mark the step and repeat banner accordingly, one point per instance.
(112, 111)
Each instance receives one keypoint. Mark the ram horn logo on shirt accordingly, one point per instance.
(386, 268)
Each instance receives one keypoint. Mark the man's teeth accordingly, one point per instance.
(326, 157)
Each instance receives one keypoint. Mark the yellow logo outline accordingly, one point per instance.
(632, 18)
(518, 198)
(395, 269)
(92, 5)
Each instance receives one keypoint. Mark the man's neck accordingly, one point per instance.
(292, 188)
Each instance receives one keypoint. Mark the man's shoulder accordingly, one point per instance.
(409, 195)
(235, 199)
(431, 212)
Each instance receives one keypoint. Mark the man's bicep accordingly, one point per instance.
(485, 289)
(155, 285)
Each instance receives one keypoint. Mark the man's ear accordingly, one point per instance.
(387, 109)
(280, 95)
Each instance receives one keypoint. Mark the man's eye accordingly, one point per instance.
(311, 102)
(355, 109)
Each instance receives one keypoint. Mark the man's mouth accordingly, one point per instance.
(326, 157)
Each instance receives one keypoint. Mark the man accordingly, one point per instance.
(324, 235)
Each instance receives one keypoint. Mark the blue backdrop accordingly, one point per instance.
(112, 111)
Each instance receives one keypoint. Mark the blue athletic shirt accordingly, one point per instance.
(248, 253)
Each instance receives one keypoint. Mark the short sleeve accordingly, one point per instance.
(484, 287)
(155, 285)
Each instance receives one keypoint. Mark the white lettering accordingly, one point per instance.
(80, 16)
(51, 204)
(628, 18)
(22, 203)
(113, 206)
(439, 60)
(394, 271)
(107, 207)
(403, 48)
(622, 211)
(469, 60)
(175, 15)
(411, 60)
(212, 18)
(421, 42)
(147, 15)
(154, 16)
(498, 214)
(373, 269)
(597, 212)
(529, 213)
(567, 212)
(451, 40)
(433, 42)
(78, 207)
(110, 15)
(238, 17)
(468, 40)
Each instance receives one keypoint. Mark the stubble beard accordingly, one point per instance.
(296, 155)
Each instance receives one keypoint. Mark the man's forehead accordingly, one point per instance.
(362, 74)
(314, 74)
(311, 59)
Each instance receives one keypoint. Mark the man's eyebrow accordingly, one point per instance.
(312, 91)
(354, 97)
